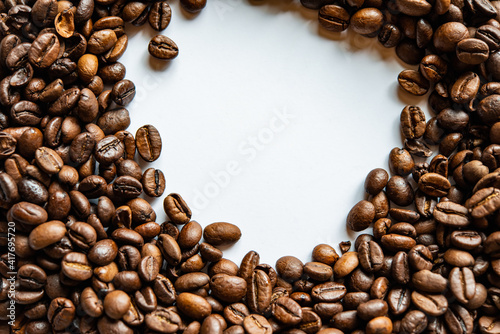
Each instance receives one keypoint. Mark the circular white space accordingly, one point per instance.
(267, 121)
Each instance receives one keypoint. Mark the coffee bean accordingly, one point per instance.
(483, 202)
(159, 15)
(448, 35)
(465, 88)
(148, 268)
(148, 143)
(193, 306)
(230, 289)
(346, 264)
(162, 47)
(458, 319)
(219, 234)
(48, 160)
(399, 191)
(427, 281)
(76, 266)
(256, 324)
(235, 313)
(61, 313)
(46, 234)
(367, 21)
(333, 18)
(108, 150)
(413, 82)
(44, 50)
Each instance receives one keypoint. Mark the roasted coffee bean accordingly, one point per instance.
(448, 35)
(193, 306)
(401, 162)
(408, 51)
(433, 68)
(103, 252)
(465, 88)
(398, 300)
(114, 120)
(127, 187)
(76, 266)
(46, 234)
(61, 313)
(162, 47)
(399, 191)
(361, 216)
(44, 50)
(346, 264)
(235, 313)
(370, 256)
(148, 142)
(190, 235)
(412, 122)
(413, 82)
(148, 268)
(367, 21)
(259, 292)
(108, 150)
(219, 234)
(48, 160)
(458, 319)
(159, 15)
(427, 281)
(123, 92)
(451, 214)
(472, 51)
(483, 202)
(333, 18)
(230, 289)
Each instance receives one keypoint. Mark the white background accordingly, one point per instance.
(240, 65)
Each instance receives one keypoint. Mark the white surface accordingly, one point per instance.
(294, 179)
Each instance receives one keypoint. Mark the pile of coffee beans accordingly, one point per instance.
(90, 258)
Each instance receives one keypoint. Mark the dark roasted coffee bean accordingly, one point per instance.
(399, 191)
(114, 120)
(236, 313)
(472, 51)
(408, 51)
(228, 288)
(333, 18)
(458, 319)
(413, 82)
(108, 150)
(61, 313)
(148, 142)
(44, 50)
(127, 187)
(401, 162)
(361, 216)
(162, 47)
(123, 92)
(389, 35)
(398, 300)
(448, 35)
(412, 122)
(76, 266)
(370, 256)
(159, 15)
(367, 21)
(427, 281)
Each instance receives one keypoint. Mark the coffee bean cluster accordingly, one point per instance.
(90, 257)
